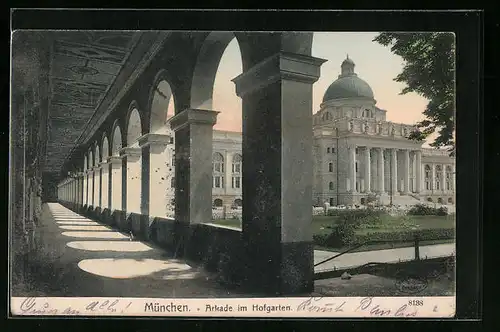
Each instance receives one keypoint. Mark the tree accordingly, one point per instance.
(429, 71)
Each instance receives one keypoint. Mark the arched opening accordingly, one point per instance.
(134, 163)
(330, 185)
(439, 178)
(238, 202)
(440, 200)
(218, 202)
(162, 106)
(116, 170)
(429, 199)
(236, 172)
(363, 201)
(85, 180)
(134, 129)
(450, 200)
(162, 109)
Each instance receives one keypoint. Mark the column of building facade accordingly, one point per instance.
(453, 178)
(228, 174)
(155, 146)
(394, 171)
(104, 183)
(418, 169)
(133, 160)
(85, 184)
(91, 187)
(406, 172)
(380, 171)
(443, 176)
(116, 182)
(352, 168)
(433, 176)
(367, 174)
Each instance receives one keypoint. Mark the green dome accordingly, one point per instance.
(348, 85)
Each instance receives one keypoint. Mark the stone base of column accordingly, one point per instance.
(294, 275)
(106, 216)
(139, 225)
(118, 218)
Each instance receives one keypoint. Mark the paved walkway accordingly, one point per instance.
(379, 256)
(80, 257)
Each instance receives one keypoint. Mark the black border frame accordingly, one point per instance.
(468, 27)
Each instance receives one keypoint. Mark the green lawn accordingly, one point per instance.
(389, 224)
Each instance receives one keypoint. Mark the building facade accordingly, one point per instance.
(359, 156)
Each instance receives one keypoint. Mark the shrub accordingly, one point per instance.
(407, 235)
(425, 210)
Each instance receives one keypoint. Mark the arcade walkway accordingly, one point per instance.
(80, 257)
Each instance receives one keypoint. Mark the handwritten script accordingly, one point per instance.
(33, 306)
(368, 306)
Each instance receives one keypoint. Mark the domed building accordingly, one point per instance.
(359, 156)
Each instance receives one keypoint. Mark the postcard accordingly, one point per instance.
(232, 174)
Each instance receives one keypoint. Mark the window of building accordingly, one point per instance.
(218, 182)
(172, 182)
(439, 177)
(236, 168)
(356, 166)
(218, 163)
(173, 160)
(333, 150)
(236, 182)
(330, 167)
(331, 201)
(327, 150)
(330, 185)
(428, 177)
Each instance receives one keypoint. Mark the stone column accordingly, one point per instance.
(84, 187)
(193, 169)
(132, 158)
(380, 171)
(367, 169)
(418, 169)
(277, 182)
(453, 179)
(116, 182)
(97, 186)
(406, 172)
(228, 173)
(154, 180)
(91, 188)
(443, 177)
(352, 168)
(104, 185)
(433, 177)
(394, 171)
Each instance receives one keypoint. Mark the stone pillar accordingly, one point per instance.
(418, 169)
(155, 182)
(443, 177)
(394, 171)
(228, 173)
(277, 147)
(116, 182)
(367, 169)
(352, 168)
(91, 188)
(193, 169)
(132, 158)
(433, 177)
(380, 171)
(104, 185)
(406, 172)
(97, 186)
(84, 189)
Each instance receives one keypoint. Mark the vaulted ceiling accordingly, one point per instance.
(84, 65)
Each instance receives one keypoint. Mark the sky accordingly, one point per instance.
(375, 64)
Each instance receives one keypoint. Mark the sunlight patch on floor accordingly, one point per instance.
(84, 227)
(97, 235)
(119, 246)
(132, 268)
(78, 223)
